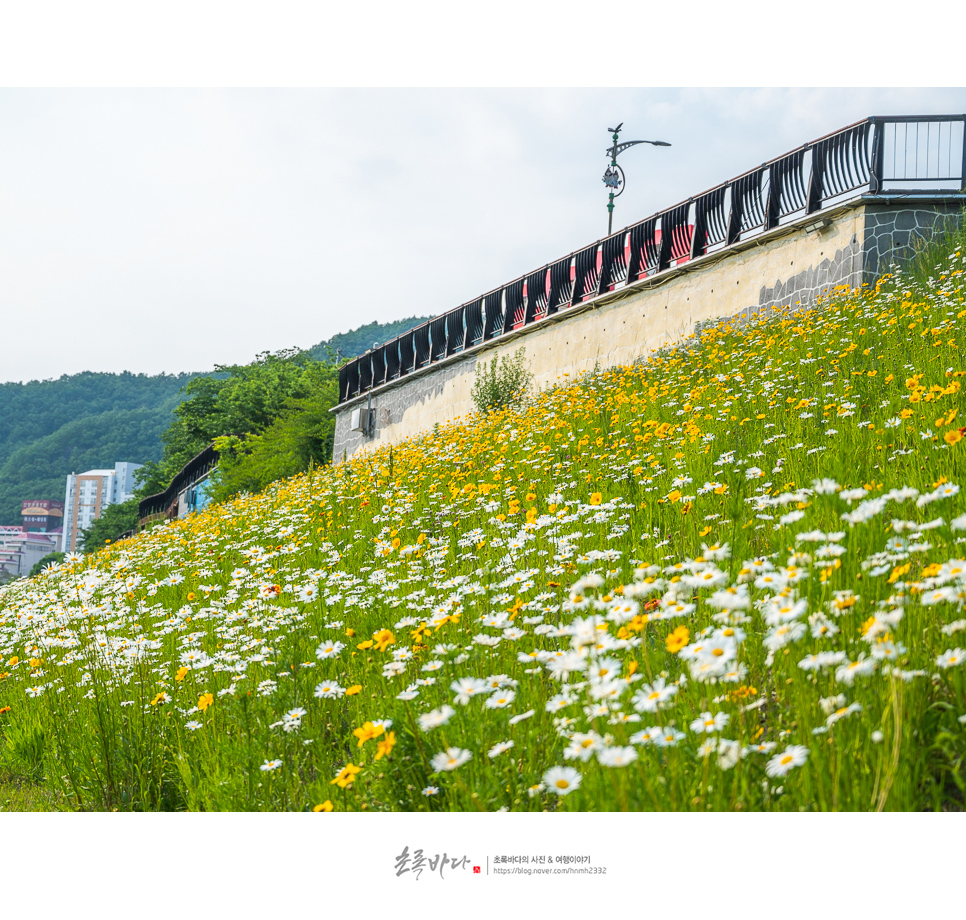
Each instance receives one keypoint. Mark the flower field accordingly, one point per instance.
(731, 577)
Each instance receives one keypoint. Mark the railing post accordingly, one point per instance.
(815, 185)
(584, 261)
(559, 285)
(878, 153)
(608, 256)
(634, 261)
(664, 259)
(734, 216)
(773, 202)
(699, 234)
(491, 312)
(512, 304)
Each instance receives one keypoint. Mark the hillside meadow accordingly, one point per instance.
(731, 577)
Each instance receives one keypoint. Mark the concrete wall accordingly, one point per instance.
(785, 266)
(416, 404)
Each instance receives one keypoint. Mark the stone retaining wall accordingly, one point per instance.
(785, 266)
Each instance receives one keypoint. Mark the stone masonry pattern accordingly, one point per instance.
(891, 232)
(845, 267)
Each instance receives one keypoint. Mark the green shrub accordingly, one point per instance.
(925, 255)
(503, 383)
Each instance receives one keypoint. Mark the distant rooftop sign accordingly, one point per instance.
(46, 506)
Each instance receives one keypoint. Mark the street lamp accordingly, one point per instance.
(614, 177)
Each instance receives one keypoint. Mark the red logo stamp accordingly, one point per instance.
(476, 870)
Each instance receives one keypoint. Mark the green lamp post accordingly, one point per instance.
(614, 177)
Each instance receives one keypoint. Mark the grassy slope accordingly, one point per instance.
(631, 560)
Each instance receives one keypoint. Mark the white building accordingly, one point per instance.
(20, 550)
(88, 494)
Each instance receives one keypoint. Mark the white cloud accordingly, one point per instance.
(167, 230)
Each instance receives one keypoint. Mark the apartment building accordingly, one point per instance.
(89, 494)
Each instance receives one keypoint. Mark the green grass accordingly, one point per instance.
(759, 532)
(17, 794)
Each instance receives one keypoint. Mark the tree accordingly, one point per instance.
(116, 519)
(239, 399)
(301, 436)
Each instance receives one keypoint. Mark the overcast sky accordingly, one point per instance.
(169, 230)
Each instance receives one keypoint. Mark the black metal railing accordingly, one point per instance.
(164, 504)
(917, 153)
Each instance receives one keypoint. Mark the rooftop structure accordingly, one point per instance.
(43, 516)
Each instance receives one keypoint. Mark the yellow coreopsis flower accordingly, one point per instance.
(382, 639)
(596, 498)
(677, 640)
(898, 572)
(182, 674)
(205, 700)
(325, 806)
(347, 776)
(386, 745)
(367, 731)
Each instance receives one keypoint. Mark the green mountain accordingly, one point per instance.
(359, 341)
(49, 428)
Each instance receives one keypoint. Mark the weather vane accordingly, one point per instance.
(614, 177)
